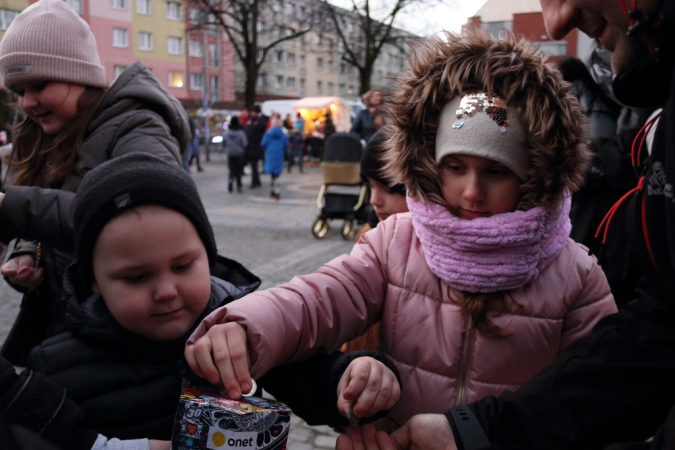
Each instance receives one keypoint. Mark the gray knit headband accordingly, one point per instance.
(478, 125)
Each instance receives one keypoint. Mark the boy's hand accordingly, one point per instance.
(369, 386)
(221, 356)
(159, 445)
(21, 271)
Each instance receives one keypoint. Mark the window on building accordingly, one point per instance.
(175, 45)
(329, 67)
(262, 80)
(176, 78)
(343, 89)
(303, 13)
(329, 88)
(279, 82)
(329, 44)
(290, 10)
(196, 49)
(279, 56)
(196, 81)
(144, 41)
(120, 37)
(350, 90)
(302, 87)
(260, 55)
(290, 59)
(143, 7)
(341, 47)
(350, 27)
(281, 32)
(319, 39)
(119, 4)
(6, 17)
(554, 48)
(496, 28)
(214, 55)
(118, 69)
(303, 41)
(173, 10)
(319, 86)
(260, 26)
(215, 87)
(76, 5)
(194, 15)
(343, 68)
(319, 63)
(290, 83)
(302, 62)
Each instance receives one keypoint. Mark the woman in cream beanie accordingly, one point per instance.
(73, 121)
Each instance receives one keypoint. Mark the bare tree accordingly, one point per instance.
(365, 29)
(245, 22)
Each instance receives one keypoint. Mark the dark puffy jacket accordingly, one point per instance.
(136, 114)
(255, 130)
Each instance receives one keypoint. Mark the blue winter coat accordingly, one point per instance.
(275, 143)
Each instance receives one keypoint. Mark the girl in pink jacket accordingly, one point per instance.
(477, 288)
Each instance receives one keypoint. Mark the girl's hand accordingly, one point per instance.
(221, 357)
(364, 438)
(21, 271)
(159, 445)
(369, 386)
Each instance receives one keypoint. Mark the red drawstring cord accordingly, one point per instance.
(644, 131)
(610, 214)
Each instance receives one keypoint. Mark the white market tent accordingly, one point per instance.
(315, 108)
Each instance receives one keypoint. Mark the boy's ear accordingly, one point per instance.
(94, 288)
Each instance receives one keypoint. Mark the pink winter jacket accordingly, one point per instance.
(386, 279)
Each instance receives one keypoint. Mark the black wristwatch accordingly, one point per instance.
(469, 435)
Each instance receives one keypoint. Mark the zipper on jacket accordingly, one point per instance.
(465, 364)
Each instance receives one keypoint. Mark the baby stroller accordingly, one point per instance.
(342, 194)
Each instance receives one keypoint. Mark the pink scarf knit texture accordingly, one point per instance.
(490, 254)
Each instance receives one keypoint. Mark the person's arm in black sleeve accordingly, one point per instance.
(36, 214)
(34, 402)
(310, 387)
(615, 385)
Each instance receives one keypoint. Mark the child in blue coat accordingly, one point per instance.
(275, 143)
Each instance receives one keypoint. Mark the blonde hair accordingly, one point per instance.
(40, 158)
(508, 68)
(365, 98)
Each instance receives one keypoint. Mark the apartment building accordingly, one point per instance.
(524, 18)
(169, 37)
(312, 65)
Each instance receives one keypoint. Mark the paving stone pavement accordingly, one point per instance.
(271, 238)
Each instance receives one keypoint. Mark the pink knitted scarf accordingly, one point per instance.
(490, 254)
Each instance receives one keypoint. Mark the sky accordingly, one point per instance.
(428, 20)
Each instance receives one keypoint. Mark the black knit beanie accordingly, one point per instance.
(372, 164)
(127, 182)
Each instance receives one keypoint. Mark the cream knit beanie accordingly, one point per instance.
(478, 125)
(49, 41)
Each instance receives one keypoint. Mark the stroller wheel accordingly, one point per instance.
(348, 230)
(320, 228)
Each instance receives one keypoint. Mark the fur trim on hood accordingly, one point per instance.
(508, 68)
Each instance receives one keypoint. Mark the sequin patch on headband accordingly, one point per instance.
(471, 104)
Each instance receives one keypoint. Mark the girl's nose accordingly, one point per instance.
(473, 190)
(28, 100)
(165, 289)
(376, 197)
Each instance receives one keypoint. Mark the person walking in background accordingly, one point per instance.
(192, 146)
(235, 143)
(288, 124)
(296, 145)
(300, 123)
(244, 116)
(254, 153)
(73, 122)
(275, 143)
(328, 126)
(365, 125)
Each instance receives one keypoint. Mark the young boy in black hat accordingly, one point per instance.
(147, 272)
